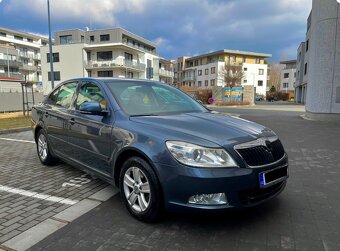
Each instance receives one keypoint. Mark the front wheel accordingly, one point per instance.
(43, 149)
(140, 190)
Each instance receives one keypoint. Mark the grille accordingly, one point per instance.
(262, 155)
(253, 196)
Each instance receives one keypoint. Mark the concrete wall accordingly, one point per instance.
(10, 102)
(324, 62)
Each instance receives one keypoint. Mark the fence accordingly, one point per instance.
(11, 102)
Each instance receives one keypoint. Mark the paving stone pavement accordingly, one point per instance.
(306, 216)
(20, 168)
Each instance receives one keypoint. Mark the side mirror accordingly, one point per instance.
(92, 108)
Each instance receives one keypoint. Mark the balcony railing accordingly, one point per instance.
(188, 78)
(31, 56)
(166, 73)
(26, 67)
(116, 63)
(12, 75)
(11, 63)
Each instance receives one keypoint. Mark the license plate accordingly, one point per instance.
(273, 176)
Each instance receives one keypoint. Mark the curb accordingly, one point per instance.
(15, 130)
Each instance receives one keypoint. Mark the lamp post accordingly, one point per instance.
(8, 74)
(50, 44)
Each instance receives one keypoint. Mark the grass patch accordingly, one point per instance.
(15, 122)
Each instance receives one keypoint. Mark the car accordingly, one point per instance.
(258, 98)
(272, 98)
(163, 149)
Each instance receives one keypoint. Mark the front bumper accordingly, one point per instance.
(240, 185)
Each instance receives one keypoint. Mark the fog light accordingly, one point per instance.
(209, 199)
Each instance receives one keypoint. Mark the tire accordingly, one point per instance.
(143, 201)
(43, 149)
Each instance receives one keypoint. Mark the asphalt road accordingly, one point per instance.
(306, 216)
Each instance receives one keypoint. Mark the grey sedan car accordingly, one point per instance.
(162, 148)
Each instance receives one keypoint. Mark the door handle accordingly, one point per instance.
(72, 121)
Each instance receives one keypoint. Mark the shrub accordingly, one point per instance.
(231, 103)
(204, 95)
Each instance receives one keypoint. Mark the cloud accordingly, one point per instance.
(177, 27)
(102, 12)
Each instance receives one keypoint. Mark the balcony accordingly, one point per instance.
(26, 67)
(12, 75)
(166, 73)
(117, 63)
(11, 63)
(188, 78)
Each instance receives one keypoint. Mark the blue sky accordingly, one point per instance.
(178, 27)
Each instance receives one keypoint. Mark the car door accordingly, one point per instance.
(91, 134)
(56, 116)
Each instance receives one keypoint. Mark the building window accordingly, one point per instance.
(104, 55)
(206, 71)
(30, 40)
(3, 34)
(65, 39)
(306, 68)
(260, 83)
(307, 45)
(82, 39)
(245, 69)
(55, 57)
(196, 62)
(261, 71)
(91, 38)
(129, 74)
(89, 74)
(212, 70)
(286, 75)
(206, 83)
(233, 59)
(212, 82)
(294, 74)
(105, 37)
(245, 81)
(44, 43)
(243, 59)
(129, 57)
(56, 76)
(257, 61)
(18, 37)
(285, 85)
(199, 72)
(105, 74)
(199, 83)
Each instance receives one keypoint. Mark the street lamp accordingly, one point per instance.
(50, 44)
(8, 74)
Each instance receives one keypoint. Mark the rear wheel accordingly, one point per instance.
(43, 149)
(140, 190)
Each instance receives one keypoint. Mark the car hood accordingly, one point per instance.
(215, 127)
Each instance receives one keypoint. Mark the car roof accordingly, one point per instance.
(112, 80)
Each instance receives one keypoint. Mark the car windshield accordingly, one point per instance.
(146, 98)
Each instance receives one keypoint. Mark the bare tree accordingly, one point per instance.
(274, 72)
(231, 75)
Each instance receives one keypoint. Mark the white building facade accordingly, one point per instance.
(20, 56)
(102, 53)
(288, 76)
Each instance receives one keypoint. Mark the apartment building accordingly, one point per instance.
(204, 71)
(302, 64)
(20, 57)
(103, 53)
(288, 77)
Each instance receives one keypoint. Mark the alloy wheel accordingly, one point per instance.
(137, 189)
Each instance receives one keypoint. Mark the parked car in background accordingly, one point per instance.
(258, 97)
(272, 98)
(162, 148)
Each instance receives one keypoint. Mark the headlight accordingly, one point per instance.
(199, 156)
